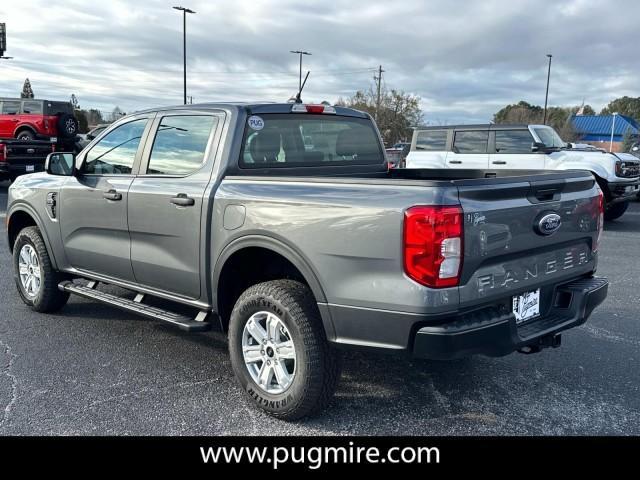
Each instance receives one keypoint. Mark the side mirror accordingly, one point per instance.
(538, 146)
(635, 149)
(90, 137)
(60, 163)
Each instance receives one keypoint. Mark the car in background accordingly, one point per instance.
(85, 138)
(585, 146)
(32, 119)
(397, 154)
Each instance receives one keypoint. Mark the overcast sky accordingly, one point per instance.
(465, 59)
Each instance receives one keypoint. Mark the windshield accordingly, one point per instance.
(286, 140)
(549, 137)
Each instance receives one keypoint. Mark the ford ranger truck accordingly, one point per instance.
(282, 225)
(526, 147)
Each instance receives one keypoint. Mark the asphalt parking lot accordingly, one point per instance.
(92, 369)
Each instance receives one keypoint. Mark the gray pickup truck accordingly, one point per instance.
(282, 225)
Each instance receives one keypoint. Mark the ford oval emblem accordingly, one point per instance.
(549, 224)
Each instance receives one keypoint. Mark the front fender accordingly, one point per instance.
(26, 208)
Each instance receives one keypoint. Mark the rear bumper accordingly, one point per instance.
(11, 170)
(495, 333)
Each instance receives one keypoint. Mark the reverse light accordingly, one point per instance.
(304, 108)
(433, 245)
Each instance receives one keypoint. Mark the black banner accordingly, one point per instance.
(317, 454)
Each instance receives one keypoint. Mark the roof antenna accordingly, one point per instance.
(299, 95)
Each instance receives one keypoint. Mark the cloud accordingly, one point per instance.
(465, 59)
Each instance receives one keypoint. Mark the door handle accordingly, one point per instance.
(499, 162)
(112, 195)
(182, 200)
(455, 161)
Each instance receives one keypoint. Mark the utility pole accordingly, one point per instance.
(546, 97)
(378, 80)
(613, 129)
(301, 53)
(184, 48)
(3, 41)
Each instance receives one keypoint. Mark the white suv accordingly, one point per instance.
(525, 147)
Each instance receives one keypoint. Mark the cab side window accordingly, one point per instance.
(471, 141)
(115, 153)
(513, 141)
(180, 144)
(10, 107)
(32, 106)
(431, 140)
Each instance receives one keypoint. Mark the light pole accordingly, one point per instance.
(546, 96)
(301, 53)
(613, 127)
(184, 47)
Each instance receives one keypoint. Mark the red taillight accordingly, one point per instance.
(600, 213)
(315, 108)
(3, 153)
(433, 245)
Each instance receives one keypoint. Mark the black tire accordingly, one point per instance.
(67, 125)
(48, 298)
(615, 211)
(318, 366)
(25, 135)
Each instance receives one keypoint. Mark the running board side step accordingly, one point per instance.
(136, 306)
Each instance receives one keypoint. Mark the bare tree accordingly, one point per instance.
(399, 111)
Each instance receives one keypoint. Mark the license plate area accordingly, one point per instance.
(30, 168)
(526, 306)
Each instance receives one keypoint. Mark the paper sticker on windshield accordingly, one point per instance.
(255, 122)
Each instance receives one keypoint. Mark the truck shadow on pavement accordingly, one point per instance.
(377, 392)
(625, 224)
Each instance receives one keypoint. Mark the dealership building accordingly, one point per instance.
(596, 129)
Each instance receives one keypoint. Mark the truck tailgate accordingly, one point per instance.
(33, 152)
(523, 233)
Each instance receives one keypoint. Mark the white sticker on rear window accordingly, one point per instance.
(255, 122)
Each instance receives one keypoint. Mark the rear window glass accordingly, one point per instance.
(431, 140)
(289, 140)
(32, 106)
(54, 108)
(471, 141)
